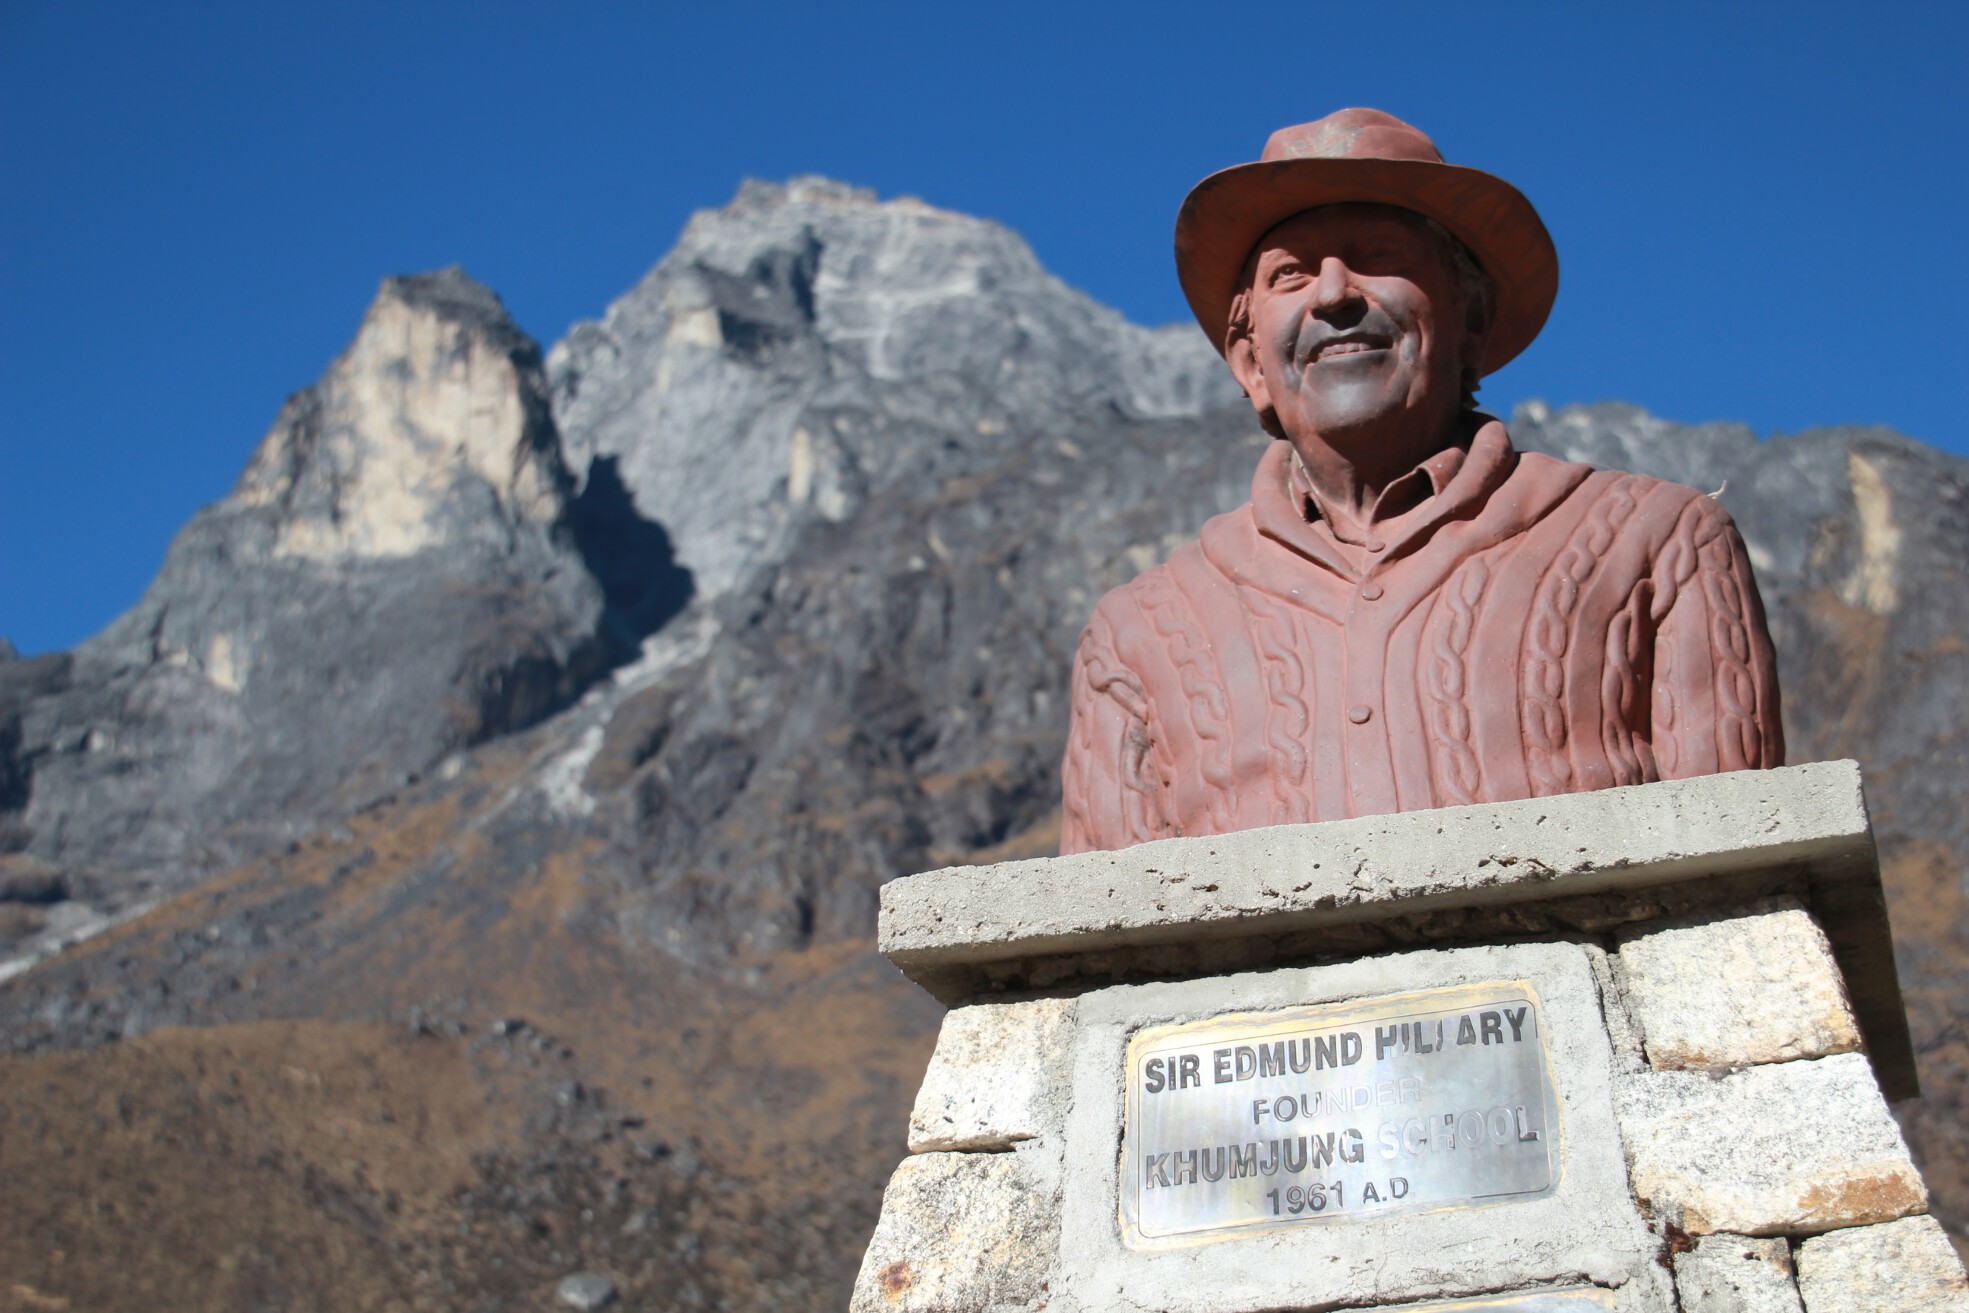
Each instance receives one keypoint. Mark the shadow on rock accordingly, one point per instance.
(631, 557)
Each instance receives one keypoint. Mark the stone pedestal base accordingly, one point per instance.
(1617, 1051)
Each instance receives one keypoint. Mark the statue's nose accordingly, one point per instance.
(1335, 285)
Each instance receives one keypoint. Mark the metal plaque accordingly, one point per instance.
(1318, 1114)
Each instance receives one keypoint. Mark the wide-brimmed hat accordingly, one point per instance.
(1364, 155)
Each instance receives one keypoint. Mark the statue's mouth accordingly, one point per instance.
(1350, 344)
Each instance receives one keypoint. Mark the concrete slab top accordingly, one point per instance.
(947, 925)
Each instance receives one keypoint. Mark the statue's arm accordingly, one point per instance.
(1107, 787)
(1716, 681)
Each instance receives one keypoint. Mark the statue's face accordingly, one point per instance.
(1358, 329)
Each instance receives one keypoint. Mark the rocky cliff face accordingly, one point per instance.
(518, 749)
(397, 575)
(806, 349)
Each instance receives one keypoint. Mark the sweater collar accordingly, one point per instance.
(1447, 485)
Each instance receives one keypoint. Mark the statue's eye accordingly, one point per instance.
(1288, 272)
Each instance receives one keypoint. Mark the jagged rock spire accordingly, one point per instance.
(396, 575)
(433, 424)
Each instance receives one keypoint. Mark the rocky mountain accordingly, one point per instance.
(415, 500)
(458, 871)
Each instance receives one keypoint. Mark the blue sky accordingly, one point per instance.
(1758, 207)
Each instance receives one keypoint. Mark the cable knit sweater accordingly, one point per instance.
(1531, 627)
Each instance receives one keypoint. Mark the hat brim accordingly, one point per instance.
(1224, 216)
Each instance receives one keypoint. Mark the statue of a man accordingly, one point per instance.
(1408, 612)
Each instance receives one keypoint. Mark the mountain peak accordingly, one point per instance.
(808, 345)
(801, 189)
(454, 296)
(437, 408)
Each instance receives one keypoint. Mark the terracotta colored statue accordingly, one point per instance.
(1408, 612)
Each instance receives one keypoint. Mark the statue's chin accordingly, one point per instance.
(1350, 424)
(1369, 421)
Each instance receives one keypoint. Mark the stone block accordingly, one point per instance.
(1731, 991)
(996, 1077)
(1790, 1148)
(1584, 1229)
(961, 1233)
(1907, 1266)
(1736, 1274)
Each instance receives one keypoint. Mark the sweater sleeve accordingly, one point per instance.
(1715, 690)
(1108, 797)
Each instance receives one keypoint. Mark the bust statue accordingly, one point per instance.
(1409, 612)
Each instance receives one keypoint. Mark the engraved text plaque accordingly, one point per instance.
(1312, 1114)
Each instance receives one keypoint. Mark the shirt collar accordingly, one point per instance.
(1429, 479)
(1408, 509)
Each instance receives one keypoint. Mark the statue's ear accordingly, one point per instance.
(1243, 360)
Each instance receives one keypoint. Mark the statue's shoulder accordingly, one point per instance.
(1172, 586)
(1664, 502)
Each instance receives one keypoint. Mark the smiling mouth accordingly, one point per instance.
(1350, 345)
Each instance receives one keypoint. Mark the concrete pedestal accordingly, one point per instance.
(1687, 1109)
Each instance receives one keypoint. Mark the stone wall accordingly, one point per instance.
(1726, 1144)
(1756, 1137)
